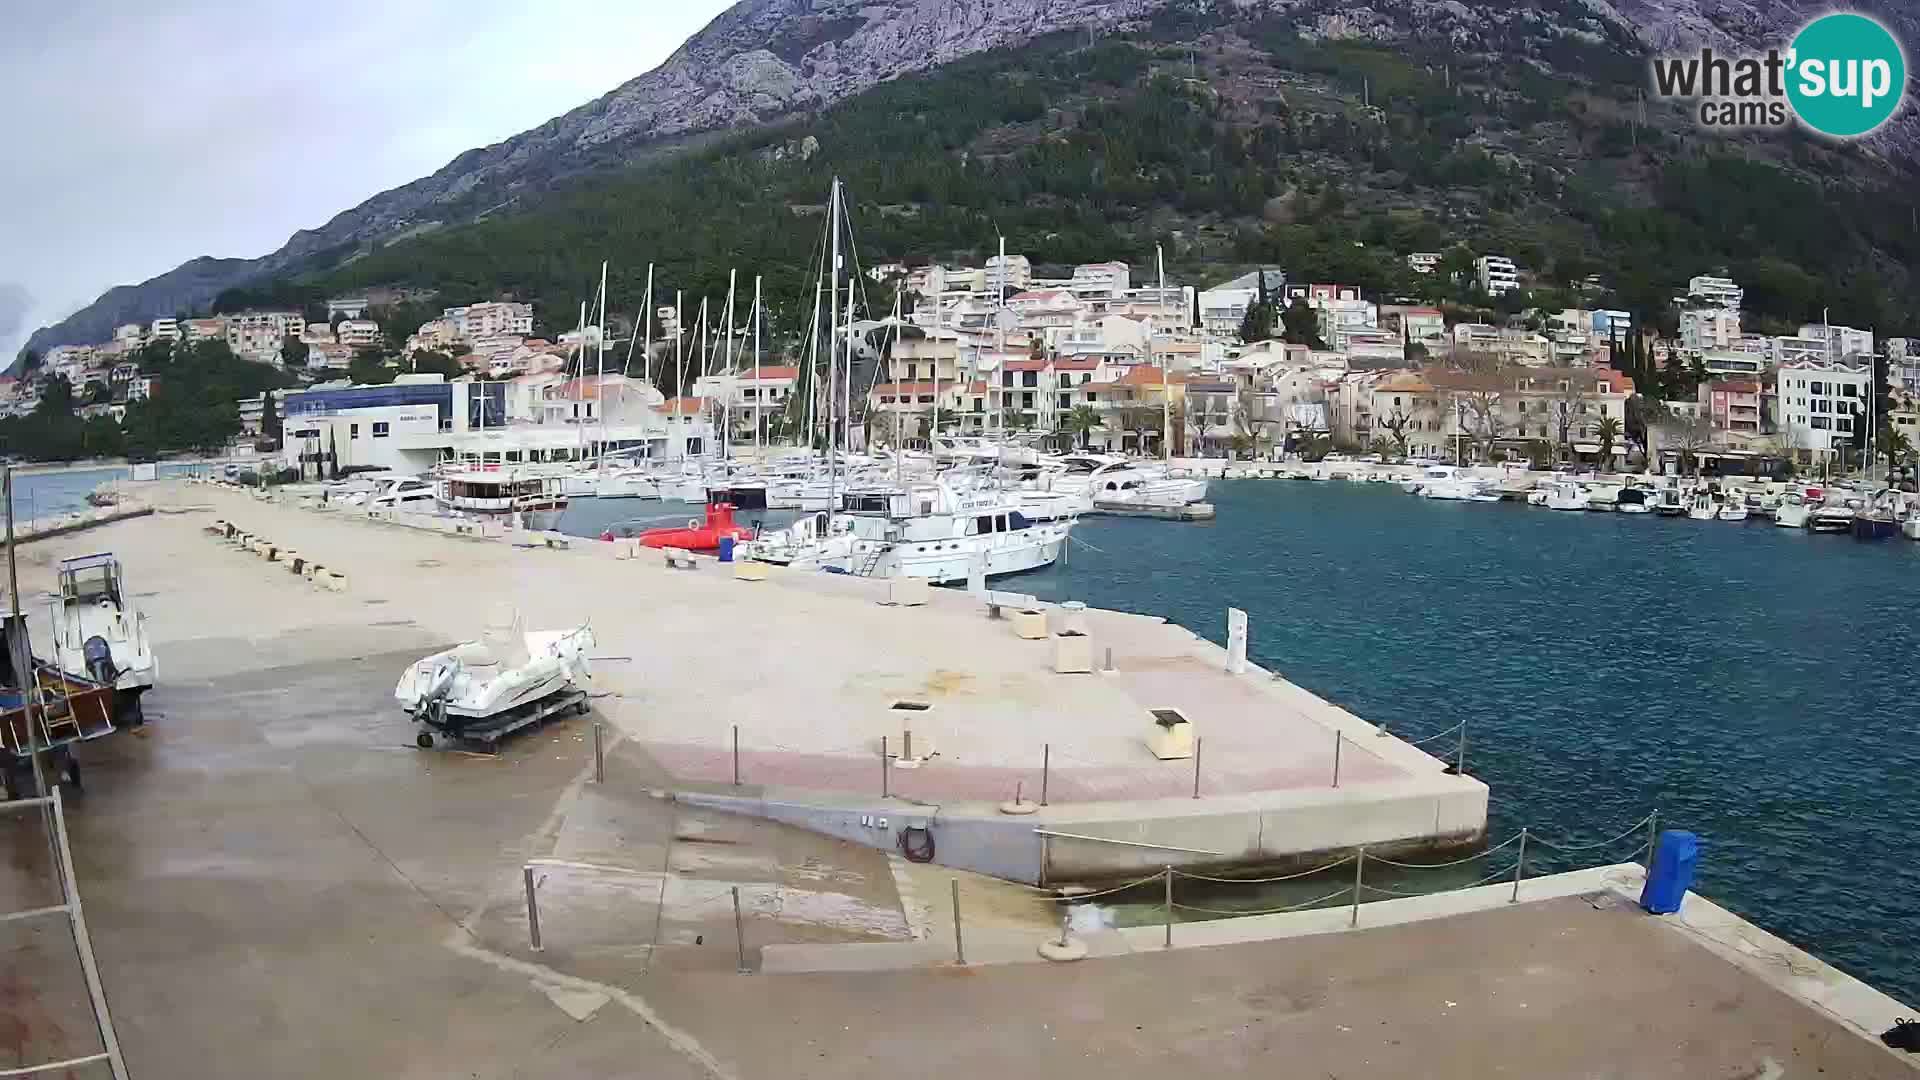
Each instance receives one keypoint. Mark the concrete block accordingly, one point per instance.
(333, 582)
(1030, 625)
(1171, 737)
(1072, 654)
(908, 592)
(749, 571)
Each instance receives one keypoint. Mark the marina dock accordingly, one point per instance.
(275, 845)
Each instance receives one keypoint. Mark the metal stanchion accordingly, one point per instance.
(1046, 767)
(1359, 864)
(886, 770)
(736, 755)
(906, 745)
(1653, 838)
(1169, 907)
(959, 944)
(1339, 739)
(533, 909)
(739, 933)
(1460, 755)
(1519, 867)
(599, 755)
(1198, 741)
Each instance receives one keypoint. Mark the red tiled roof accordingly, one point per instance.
(1143, 375)
(683, 406)
(770, 372)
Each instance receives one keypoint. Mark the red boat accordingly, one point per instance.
(697, 536)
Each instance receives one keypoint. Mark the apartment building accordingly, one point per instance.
(164, 329)
(1224, 307)
(1716, 291)
(1102, 281)
(1496, 274)
(1842, 342)
(211, 329)
(1733, 405)
(256, 335)
(358, 333)
(1423, 262)
(1704, 329)
(495, 319)
(1011, 273)
(1819, 402)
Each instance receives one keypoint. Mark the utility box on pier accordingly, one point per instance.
(1670, 872)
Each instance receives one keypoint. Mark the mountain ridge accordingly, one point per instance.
(762, 60)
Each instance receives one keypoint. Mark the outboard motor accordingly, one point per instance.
(99, 659)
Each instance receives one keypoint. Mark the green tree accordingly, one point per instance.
(1257, 325)
(293, 352)
(435, 363)
(270, 425)
(369, 368)
(1083, 421)
(1302, 325)
(1608, 432)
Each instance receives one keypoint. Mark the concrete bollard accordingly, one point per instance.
(334, 582)
(1236, 641)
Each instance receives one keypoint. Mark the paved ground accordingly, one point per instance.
(280, 885)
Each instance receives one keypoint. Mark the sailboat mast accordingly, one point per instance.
(600, 371)
(833, 331)
(1166, 368)
(679, 364)
(999, 320)
(937, 277)
(726, 402)
(758, 449)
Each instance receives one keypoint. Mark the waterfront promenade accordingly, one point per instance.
(279, 884)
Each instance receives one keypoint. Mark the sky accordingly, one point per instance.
(143, 134)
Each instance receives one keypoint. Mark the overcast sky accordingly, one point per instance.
(142, 134)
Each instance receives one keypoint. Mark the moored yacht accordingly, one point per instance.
(536, 497)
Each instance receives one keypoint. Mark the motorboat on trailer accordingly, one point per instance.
(99, 634)
(507, 679)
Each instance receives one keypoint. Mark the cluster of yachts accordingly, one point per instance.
(1866, 512)
(965, 508)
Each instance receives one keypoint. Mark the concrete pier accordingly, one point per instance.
(796, 680)
(279, 884)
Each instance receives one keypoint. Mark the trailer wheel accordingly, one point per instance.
(584, 707)
(424, 740)
(136, 713)
(73, 775)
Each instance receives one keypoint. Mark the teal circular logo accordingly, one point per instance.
(1846, 74)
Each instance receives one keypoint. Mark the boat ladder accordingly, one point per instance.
(871, 560)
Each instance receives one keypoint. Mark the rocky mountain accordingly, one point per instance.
(765, 59)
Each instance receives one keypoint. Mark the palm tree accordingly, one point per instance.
(1083, 421)
(1608, 432)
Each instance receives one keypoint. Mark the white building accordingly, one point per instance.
(1718, 291)
(1106, 281)
(168, 329)
(1842, 342)
(1496, 274)
(1225, 306)
(1706, 329)
(499, 318)
(1903, 364)
(1819, 402)
(358, 333)
(1423, 262)
(346, 307)
(1011, 272)
(256, 335)
(743, 394)
(1789, 350)
(131, 334)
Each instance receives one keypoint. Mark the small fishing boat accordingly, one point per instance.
(98, 633)
(1669, 503)
(507, 679)
(1635, 500)
(1792, 512)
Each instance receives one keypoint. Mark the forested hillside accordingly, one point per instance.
(1231, 145)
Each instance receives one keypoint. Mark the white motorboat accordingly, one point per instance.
(1732, 511)
(1115, 479)
(99, 634)
(1793, 511)
(1604, 498)
(1701, 507)
(1565, 495)
(1831, 516)
(932, 530)
(508, 668)
(399, 493)
(1910, 525)
(1668, 502)
(1634, 500)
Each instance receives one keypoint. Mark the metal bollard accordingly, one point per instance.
(906, 747)
(1460, 756)
(1198, 741)
(739, 933)
(1046, 766)
(1109, 666)
(886, 770)
(1359, 864)
(1339, 739)
(1653, 838)
(599, 755)
(959, 945)
(736, 755)
(1519, 867)
(533, 909)
(1169, 906)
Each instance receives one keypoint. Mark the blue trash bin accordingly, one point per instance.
(1671, 872)
(726, 549)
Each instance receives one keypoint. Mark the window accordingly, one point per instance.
(886, 399)
(1029, 378)
(1006, 378)
(1026, 399)
(1843, 423)
(1822, 423)
(926, 399)
(912, 372)
(1089, 397)
(979, 405)
(1066, 401)
(353, 431)
(379, 429)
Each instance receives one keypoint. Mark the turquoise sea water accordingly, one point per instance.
(47, 494)
(1757, 685)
